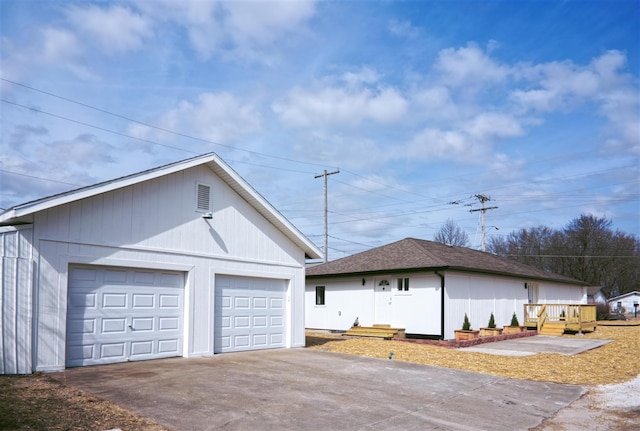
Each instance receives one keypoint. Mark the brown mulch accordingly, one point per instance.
(38, 402)
(615, 362)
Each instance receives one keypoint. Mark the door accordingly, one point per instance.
(383, 301)
(250, 314)
(123, 314)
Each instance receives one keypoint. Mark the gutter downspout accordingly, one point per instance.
(441, 304)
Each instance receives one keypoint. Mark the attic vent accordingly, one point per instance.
(204, 197)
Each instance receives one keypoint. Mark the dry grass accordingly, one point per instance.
(615, 362)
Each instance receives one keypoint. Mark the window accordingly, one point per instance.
(203, 198)
(319, 295)
(403, 284)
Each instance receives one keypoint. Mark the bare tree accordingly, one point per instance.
(587, 249)
(451, 234)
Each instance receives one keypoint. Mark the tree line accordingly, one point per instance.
(587, 249)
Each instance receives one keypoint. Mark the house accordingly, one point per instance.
(627, 303)
(183, 260)
(595, 295)
(427, 287)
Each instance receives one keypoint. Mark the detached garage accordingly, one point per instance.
(183, 260)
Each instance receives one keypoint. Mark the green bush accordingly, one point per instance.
(466, 325)
(492, 322)
(514, 320)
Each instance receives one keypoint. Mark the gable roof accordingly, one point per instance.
(22, 213)
(624, 295)
(412, 254)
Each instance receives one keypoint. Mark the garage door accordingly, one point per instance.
(123, 314)
(250, 314)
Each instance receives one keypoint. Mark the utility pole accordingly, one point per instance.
(326, 222)
(483, 198)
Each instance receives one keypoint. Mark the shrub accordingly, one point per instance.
(492, 322)
(602, 311)
(514, 320)
(466, 325)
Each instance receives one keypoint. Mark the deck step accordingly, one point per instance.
(553, 328)
(376, 331)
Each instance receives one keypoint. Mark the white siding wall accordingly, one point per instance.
(417, 310)
(155, 225)
(480, 295)
(556, 293)
(627, 303)
(16, 276)
(345, 299)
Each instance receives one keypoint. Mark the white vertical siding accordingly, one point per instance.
(155, 225)
(417, 310)
(16, 275)
(345, 299)
(478, 296)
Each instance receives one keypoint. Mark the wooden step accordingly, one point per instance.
(553, 328)
(377, 331)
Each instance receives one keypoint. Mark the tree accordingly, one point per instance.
(587, 249)
(451, 234)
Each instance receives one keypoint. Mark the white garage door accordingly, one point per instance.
(123, 314)
(250, 314)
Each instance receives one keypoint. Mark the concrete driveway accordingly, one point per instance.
(299, 389)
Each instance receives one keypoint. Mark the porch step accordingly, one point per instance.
(553, 328)
(376, 331)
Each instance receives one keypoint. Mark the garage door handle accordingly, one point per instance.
(131, 327)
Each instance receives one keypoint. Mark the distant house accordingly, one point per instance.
(595, 295)
(625, 303)
(427, 287)
(182, 260)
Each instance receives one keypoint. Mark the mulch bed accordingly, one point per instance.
(615, 362)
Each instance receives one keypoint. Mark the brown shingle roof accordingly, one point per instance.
(416, 254)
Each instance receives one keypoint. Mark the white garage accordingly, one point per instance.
(250, 314)
(186, 259)
(120, 314)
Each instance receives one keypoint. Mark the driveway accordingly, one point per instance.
(299, 389)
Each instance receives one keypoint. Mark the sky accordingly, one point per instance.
(422, 106)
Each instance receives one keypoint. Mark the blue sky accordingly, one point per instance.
(419, 104)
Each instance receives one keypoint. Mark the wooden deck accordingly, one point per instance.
(555, 319)
(376, 331)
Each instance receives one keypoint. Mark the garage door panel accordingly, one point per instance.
(245, 318)
(107, 322)
(170, 301)
(143, 300)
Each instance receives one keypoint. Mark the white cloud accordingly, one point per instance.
(432, 143)
(340, 106)
(335, 149)
(217, 117)
(246, 30)
(117, 29)
(491, 125)
(403, 29)
(61, 48)
(468, 67)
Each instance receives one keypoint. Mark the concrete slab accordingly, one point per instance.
(538, 344)
(301, 389)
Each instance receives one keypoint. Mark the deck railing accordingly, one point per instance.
(576, 317)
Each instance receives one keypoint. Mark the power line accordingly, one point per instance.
(152, 126)
(39, 178)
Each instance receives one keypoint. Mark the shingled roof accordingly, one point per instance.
(412, 254)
